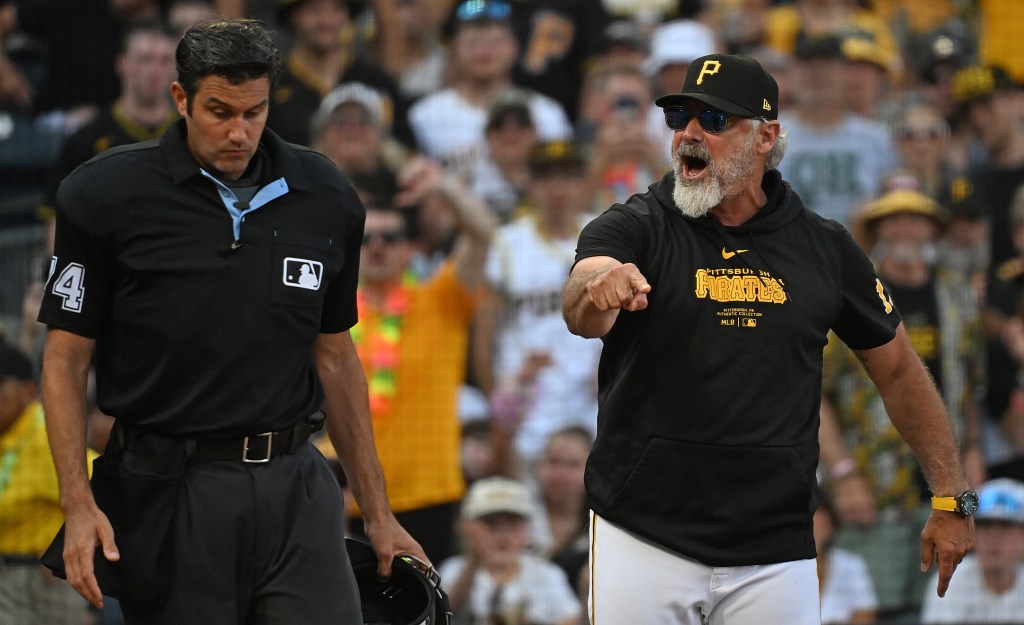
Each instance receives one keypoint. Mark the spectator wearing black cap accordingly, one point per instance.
(989, 101)
(30, 512)
(936, 56)
(323, 56)
(787, 23)
(449, 124)
(501, 177)
(964, 248)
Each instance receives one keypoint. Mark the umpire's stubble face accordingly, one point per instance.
(225, 122)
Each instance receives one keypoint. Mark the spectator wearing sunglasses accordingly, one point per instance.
(922, 136)
(713, 295)
(449, 124)
(412, 340)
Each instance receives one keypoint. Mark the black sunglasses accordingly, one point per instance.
(711, 120)
(930, 131)
(387, 236)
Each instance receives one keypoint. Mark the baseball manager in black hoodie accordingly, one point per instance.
(714, 293)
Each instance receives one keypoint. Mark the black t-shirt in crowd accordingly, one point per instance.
(557, 38)
(919, 307)
(295, 101)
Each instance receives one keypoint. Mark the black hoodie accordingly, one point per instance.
(708, 424)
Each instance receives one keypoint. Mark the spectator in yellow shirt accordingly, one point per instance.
(30, 513)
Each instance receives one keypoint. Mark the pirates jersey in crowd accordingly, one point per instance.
(111, 128)
(295, 100)
(528, 269)
(557, 38)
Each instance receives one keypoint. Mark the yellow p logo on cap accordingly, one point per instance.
(710, 68)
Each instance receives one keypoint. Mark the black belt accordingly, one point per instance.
(256, 448)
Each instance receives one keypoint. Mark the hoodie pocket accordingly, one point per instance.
(720, 497)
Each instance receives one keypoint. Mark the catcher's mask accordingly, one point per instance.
(411, 596)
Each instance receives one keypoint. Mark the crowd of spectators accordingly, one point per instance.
(482, 135)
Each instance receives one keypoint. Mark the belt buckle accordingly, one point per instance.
(245, 448)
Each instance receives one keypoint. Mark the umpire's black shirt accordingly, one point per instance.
(204, 312)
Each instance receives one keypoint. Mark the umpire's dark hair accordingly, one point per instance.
(237, 50)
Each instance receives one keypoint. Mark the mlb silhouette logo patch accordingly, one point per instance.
(302, 273)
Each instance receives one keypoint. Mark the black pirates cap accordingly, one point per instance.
(731, 83)
(979, 81)
(555, 154)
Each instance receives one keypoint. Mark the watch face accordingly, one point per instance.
(967, 503)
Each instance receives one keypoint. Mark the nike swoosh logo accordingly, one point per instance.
(727, 255)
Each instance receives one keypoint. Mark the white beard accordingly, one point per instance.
(694, 198)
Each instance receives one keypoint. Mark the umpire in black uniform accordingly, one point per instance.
(212, 274)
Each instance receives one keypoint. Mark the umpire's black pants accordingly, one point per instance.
(257, 544)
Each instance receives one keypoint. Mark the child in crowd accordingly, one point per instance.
(496, 581)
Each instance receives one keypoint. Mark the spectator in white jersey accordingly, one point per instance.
(449, 124)
(847, 593)
(539, 376)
